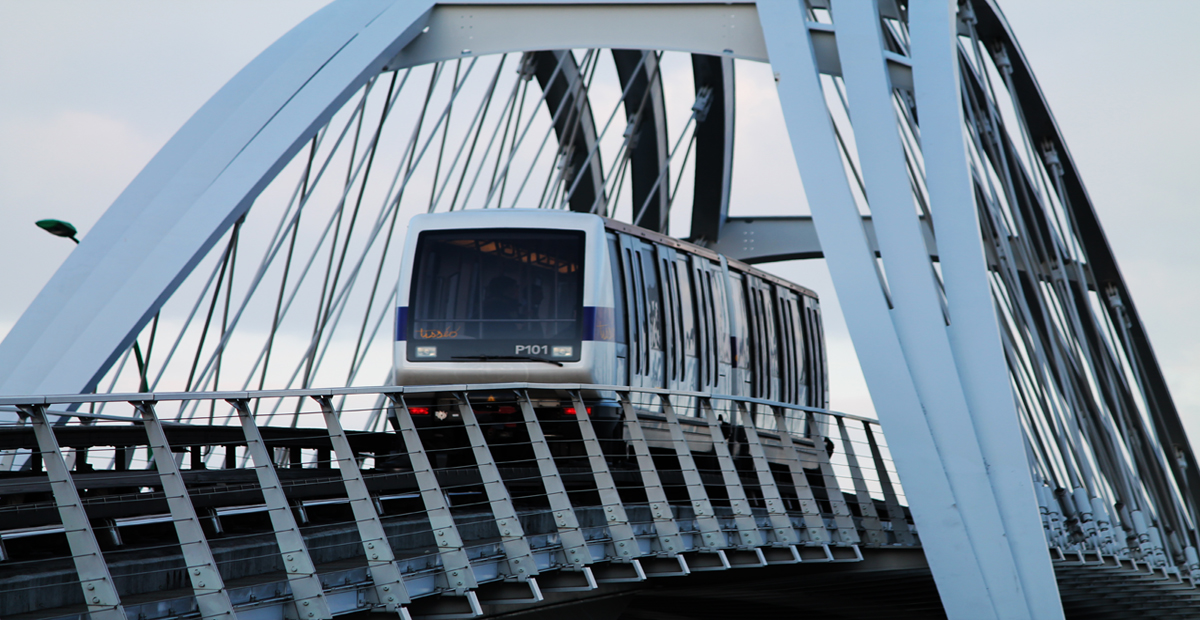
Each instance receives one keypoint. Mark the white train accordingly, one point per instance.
(527, 295)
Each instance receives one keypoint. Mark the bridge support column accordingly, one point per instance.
(516, 549)
(456, 568)
(814, 523)
(866, 505)
(576, 555)
(781, 525)
(748, 532)
(711, 538)
(624, 545)
(99, 592)
(670, 544)
(211, 597)
(389, 585)
(900, 527)
(301, 571)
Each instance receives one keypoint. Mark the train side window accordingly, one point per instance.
(687, 326)
(618, 291)
(706, 336)
(790, 346)
(637, 309)
(720, 307)
(670, 311)
(650, 288)
(740, 329)
(823, 387)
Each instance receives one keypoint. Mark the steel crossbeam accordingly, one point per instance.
(521, 566)
(814, 523)
(706, 520)
(575, 551)
(866, 506)
(390, 590)
(306, 586)
(99, 592)
(781, 526)
(665, 527)
(456, 567)
(624, 544)
(211, 596)
(748, 532)
(841, 511)
(900, 528)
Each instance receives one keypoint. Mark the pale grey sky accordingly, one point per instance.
(91, 90)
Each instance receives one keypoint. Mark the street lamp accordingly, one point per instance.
(59, 228)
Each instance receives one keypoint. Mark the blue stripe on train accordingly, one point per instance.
(597, 323)
(402, 323)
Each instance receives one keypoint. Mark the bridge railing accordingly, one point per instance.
(436, 500)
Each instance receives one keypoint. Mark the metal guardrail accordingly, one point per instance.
(495, 497)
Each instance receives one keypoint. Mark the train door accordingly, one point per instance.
(656, 367)
(621, 312)
(706, 328)
(722, 322)
(816, 378)
(739, 336)
(791, 346)
(635, 305)
(687, 322)
(765, 356)
(672, 338)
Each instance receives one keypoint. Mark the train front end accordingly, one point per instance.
(504, 295)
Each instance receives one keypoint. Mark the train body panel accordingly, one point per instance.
(514, 295)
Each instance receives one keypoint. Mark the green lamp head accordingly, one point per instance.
(59, 228)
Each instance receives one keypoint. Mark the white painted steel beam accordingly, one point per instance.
(193, 190)
(916, 301)
(307, 591)
(512, 536)
(390, 591)
(456, 566)
(212, 599)
(575, 550)
(954, 561)
(973, 329)
(99, 592)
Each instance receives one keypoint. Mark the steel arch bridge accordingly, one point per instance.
(1023, 404)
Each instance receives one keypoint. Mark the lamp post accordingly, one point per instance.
(59, 228)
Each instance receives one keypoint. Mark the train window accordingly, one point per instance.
(686, 312)
(497, 292)
(654, 318)
(765, 357)
(637, 292)
(739, 336)
(822, 387)
(618, 291)
(702, 307)
(720, 306)
(670, 311)
(790, 346)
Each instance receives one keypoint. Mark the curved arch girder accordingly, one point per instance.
(645, 110)
(575, 127)
(193, 190)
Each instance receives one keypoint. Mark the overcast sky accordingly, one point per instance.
(89, 91)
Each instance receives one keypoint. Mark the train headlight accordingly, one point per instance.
(426, 351)
(562, 351)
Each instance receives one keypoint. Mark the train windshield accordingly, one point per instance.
(499, 294)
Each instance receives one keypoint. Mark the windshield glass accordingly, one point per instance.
(496, 293)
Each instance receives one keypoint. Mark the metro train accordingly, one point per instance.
(541, 296)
